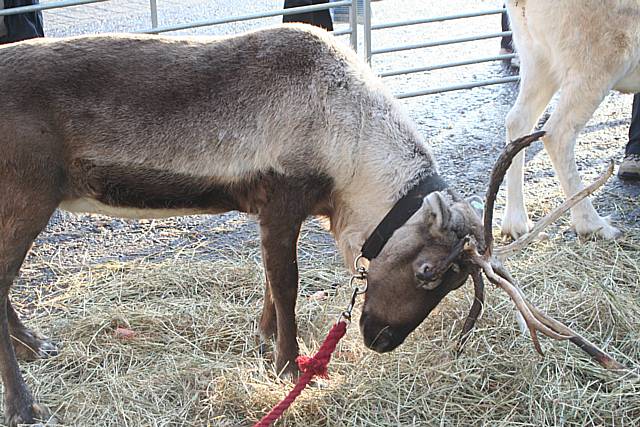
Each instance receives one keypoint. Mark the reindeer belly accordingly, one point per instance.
(629, 83)
(136, 192)
(89, 205)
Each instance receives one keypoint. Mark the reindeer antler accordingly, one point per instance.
(516, 246)
(483, 260)
(476, 308)
(497, 176)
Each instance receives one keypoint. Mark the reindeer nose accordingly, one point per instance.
(378, 337)
(382, 342)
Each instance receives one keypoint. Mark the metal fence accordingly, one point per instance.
(368, 50)
(155, 29)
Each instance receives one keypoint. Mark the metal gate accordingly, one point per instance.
(155, 29)
(355, 15)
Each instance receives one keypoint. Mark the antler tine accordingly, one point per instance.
(497, 274)
(497, 176)
(587, 346)
(506, 251)
(476, 308)
(533, 323)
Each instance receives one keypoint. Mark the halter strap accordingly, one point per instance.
(400, 214)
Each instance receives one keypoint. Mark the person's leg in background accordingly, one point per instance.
(630, 167)
(22, 26)
(320, 18)
(506, 43)
(3, 28)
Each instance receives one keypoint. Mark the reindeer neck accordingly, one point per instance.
(387, 168)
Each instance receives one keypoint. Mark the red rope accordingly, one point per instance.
(310, 367)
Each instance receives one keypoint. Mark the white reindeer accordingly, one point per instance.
(584, 49)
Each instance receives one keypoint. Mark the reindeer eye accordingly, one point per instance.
(430, 278)
(426, 273)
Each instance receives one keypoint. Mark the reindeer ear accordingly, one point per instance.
(438, 210)
(477, 204)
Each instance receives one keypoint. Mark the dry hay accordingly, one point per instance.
(195, 359)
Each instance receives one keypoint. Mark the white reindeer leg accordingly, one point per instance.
(578, 101)
(536, 89)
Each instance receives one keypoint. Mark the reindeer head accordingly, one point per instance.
(443, 243)
(416, 269)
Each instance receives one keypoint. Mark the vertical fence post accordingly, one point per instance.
(353, 22)
(154, 13)
(367, 31)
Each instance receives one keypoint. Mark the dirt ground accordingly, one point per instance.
(465, 130)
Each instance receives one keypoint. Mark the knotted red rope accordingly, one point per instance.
(310, 367)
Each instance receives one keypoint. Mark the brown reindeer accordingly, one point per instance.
(282, 123)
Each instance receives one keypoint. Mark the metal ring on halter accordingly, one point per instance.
(360, 275)
(360, 288)
(356, 263)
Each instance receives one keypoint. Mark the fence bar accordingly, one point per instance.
(438, 19)
(154, 13)
(367, 31)
(353, 24)
(447, 65)
(441, 42)
(458, 87)
(341, 32)
(45, 6)
(248, 17)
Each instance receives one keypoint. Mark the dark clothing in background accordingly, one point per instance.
(321, 18)
(633, 147)
(507, 41)
(24, 25)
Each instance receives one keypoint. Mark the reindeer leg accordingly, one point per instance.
(268, 321)
(15, 239)
(279, 252)
(19, 406)
(578, 101)
(536, 89)
(29, 194)
(18, 402)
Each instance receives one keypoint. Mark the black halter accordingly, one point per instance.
(400, 214)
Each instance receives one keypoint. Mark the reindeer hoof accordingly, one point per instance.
(515, 229)
(43, 415)
(288, 370)
(609, 233)
(35, 415)
(291, 373)
(29, 346)
(601, 228)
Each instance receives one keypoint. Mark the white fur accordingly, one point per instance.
(88, 205)
(584, 49)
